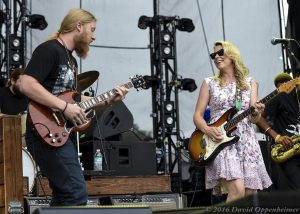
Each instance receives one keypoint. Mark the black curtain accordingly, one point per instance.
(293, 31)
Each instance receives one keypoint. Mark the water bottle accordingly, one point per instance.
(98, 159)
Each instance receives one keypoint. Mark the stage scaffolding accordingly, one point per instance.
(13, 36)
(165, 84)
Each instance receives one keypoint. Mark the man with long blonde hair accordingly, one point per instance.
(51, 71)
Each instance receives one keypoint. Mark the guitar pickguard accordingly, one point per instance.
(212, 147)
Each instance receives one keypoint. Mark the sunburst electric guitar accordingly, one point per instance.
(52, 127)
(203, 149)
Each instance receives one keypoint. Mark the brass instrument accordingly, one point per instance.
(280, 154)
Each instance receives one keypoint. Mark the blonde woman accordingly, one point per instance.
(238, 169)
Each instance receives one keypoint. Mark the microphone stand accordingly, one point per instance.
(291, 53)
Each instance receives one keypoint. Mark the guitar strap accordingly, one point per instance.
(72, 64)
(238, 98)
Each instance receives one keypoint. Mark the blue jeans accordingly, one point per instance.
(61, 167)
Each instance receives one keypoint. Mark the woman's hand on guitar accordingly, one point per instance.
(214, 133)
(258, 108)
(257, 111)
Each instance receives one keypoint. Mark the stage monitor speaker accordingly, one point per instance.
(33, 203)
(93, 210)
(123, 158)
(111, 121)
(157, 202)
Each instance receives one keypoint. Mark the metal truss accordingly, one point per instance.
(13, 36)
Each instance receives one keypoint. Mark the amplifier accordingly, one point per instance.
(158, 202)
(32, 203)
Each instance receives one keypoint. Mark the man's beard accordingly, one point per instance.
(82, 46)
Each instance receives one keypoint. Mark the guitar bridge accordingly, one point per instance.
(59, 118)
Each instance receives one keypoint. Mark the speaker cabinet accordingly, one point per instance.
(158, 202)
(108, 122)
(93, 210)
(122, 158)
(33, 203)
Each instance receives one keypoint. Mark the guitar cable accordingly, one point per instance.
(101, 143)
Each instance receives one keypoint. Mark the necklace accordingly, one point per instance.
(73, 67)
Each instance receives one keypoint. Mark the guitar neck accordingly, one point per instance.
(90, 103)
(234, 121)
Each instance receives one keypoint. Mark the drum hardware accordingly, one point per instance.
(23, 126)
(86, 79)
(29, 169)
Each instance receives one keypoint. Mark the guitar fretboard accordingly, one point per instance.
(90, 103)
(233, 122)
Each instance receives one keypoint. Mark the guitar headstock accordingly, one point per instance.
(287, 87)
(138, 81)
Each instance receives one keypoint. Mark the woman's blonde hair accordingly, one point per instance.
(240, 70)
(70, 21)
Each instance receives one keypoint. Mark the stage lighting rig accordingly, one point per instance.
(151, 81)
(183, 24)
(185, 84)
(169, 114)
(165, 84)
(36, 21)
(16, 50)
(188, 84)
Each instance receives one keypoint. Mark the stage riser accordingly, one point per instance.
(117, 185)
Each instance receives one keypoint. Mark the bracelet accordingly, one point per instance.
(267, 129)
(63, 111)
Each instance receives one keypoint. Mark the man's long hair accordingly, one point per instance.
(240, 70)
(70, 20)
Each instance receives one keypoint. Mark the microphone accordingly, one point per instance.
(275, 41)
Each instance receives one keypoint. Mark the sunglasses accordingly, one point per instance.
(219, 52)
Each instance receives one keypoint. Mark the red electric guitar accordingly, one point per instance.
(54, 129)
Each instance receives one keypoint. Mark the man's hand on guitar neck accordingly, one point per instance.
(120, 95)
(214, 133)
(76, 115)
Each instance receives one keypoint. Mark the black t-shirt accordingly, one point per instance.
(51, 67)
(283, 111)
(12, 104)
